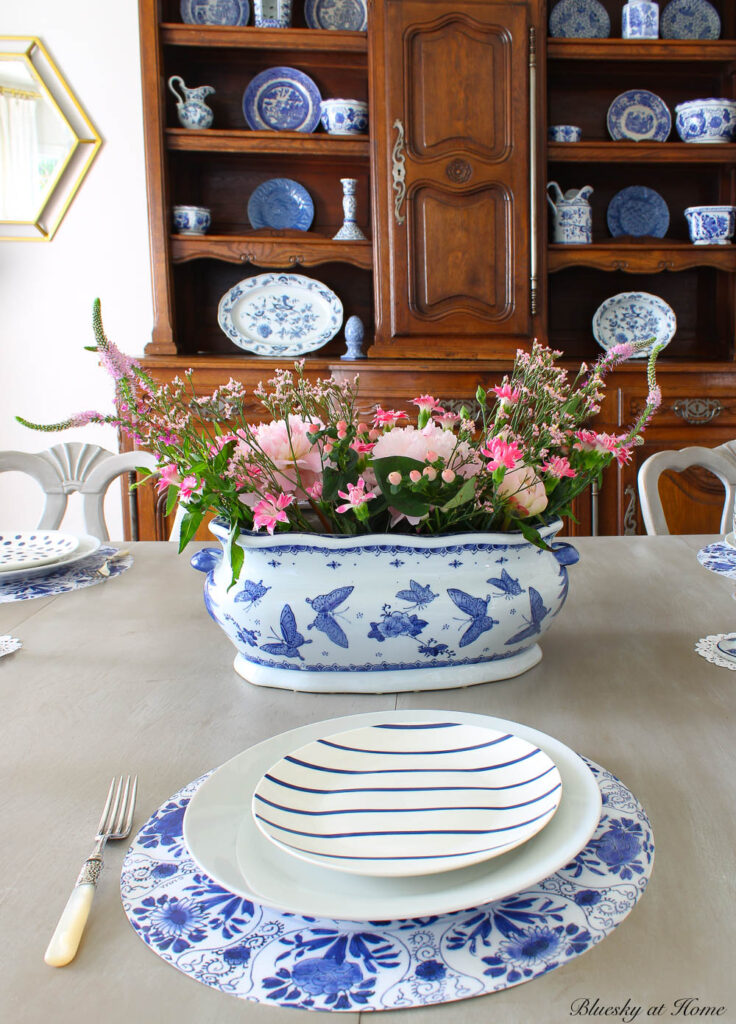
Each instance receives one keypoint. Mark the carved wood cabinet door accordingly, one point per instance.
(450, 102)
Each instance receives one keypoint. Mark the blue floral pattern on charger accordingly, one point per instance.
(690, 19)
(719, 557)
(60, 581)
(579, 19)
(263, 955)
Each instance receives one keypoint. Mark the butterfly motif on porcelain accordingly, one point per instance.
(252, 592)
(417, 596)
(508, 586)
(538, 613)
(325, 606)
(291, 639)
(477, 609)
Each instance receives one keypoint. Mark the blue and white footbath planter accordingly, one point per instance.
(385, 613)
(247, 950)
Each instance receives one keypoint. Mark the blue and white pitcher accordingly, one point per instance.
(191, 106)
(572, 220)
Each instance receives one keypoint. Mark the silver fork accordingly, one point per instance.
(115, 823)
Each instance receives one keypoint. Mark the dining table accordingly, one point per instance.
(133, 676)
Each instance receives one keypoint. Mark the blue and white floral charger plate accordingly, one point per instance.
(632, 317)
(280, 314)
(719, 557)
(215, 12)
(281, 203)
(343, 15)
(640, 116)
(282, 99)
(579, 19)
(77, 574)
(638, 211)
(266, 956)
(689, 19)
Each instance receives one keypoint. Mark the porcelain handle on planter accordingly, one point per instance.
(206, 559)
(565, 554)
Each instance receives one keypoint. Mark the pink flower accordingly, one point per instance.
(287, 445)
(426, 403)
(415, 476)
(623, 351)
(448, 476)
(361, 446)
(506, 393)
(417, 444)
(315, 491)
(524, 490)
(430, 472)
(270, 511)
(394, 478)
(558, 466)
(501, 453)
(447, 420)
(355, 496)
(188, 487)
(167, 475)
(387, 417)
(342, 429)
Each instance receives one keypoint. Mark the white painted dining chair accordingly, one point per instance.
(720, 461)
(69, 467)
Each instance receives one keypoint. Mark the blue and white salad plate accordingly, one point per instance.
(343, 15)
(689, 19)
(579, 19)
(282, 99)
(26, 549)
(222, 836)
(280, 314)
(281, 203)
(394, 800)
(633, 317)
(215, 12)
(639, 115)
(638, 211)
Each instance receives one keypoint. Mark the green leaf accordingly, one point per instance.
(237, 557)
(401, 497)
(532, 535)
(332, 482)
(189, 526)
(172, 497)
(465, 494)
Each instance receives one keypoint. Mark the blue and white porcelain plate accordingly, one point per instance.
(26, 548)
(719, 557)
(280, 314)
(281, 203)
(579, 19)
(249, 951)
(343, 15)
(638, 211)
(633, 317)
(639, 115)
(283, 100)
(215, 12)
(60, 579)
(393, 800)
(689, 19)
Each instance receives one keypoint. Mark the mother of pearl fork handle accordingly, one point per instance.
(115, 823)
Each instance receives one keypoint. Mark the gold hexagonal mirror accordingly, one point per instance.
(47, 142)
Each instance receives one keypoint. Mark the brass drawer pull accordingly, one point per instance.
(398, 172)
(697, 411)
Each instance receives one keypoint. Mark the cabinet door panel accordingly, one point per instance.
(452, 159)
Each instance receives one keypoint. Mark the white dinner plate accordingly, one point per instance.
(224, 840)
(730, 539)
(401, 799)
(25, 549)
(87, 546)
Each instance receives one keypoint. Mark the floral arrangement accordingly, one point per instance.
(316, 465)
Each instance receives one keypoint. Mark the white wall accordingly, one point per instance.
(100, 250)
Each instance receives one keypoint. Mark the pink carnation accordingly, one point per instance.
(501, 453)
(506, 393)
(354, 496)
(387, 417)
(558, 466)
(270, 511)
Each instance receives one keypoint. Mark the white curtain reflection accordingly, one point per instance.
(20, 187)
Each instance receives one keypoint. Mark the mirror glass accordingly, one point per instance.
(46, 142)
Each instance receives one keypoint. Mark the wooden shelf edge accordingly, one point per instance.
(287, 143)
(708, 50)
(642, 258)
(271, 252)
(307, 39)
(641, 152)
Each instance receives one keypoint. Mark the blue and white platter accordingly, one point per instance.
(280, 314)
(343, 15)
(639, 115)
(638, 211)
(579, 19)
(25, 549)
(634, 317)
(215, 12)
(281, 203)
(393, 800)
(689, 19)
(93, 565)
(282, 99)
(719, 557)
(240, 947)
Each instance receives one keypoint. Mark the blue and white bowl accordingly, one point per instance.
(192, 220)
(709, 120)
(564, 133)
(344, 117)
(711, 225)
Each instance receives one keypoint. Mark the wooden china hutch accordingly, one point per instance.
(457, 271)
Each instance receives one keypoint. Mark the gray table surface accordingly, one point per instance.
(133, 676)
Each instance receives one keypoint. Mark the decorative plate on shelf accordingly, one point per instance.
(281, 203)
(579, 19)
(283, 100)
(215, 12)
(396, 800)
(280, 314)
(27, 549)
(689, 19)
(639, 115)
(344, 15)
(634, 317)
(638, 211)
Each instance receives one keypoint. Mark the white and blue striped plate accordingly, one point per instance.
(407, 798)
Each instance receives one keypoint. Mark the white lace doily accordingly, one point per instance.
(8, 644)
(717, 649)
